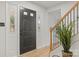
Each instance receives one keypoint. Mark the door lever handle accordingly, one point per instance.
(2, 24)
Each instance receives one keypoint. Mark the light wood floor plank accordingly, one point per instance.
(43, 52)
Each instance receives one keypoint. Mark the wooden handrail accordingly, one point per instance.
(62, 18)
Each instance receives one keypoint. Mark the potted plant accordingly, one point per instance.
(65, 32)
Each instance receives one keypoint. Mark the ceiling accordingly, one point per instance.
(47, 4)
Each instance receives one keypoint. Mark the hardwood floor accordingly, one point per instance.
(43, 52)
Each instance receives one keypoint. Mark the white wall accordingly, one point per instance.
(12, 38)
(65, 6)
(2, 29)
(53, 17)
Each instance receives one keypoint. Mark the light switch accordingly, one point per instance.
(39, 22)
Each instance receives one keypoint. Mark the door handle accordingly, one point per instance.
(2, 24)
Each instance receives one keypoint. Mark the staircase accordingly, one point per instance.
(71, 15)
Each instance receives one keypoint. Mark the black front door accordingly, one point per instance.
(27, 30)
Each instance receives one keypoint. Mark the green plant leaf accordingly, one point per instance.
(65, 33)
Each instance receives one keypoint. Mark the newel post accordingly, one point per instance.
(51, 40)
